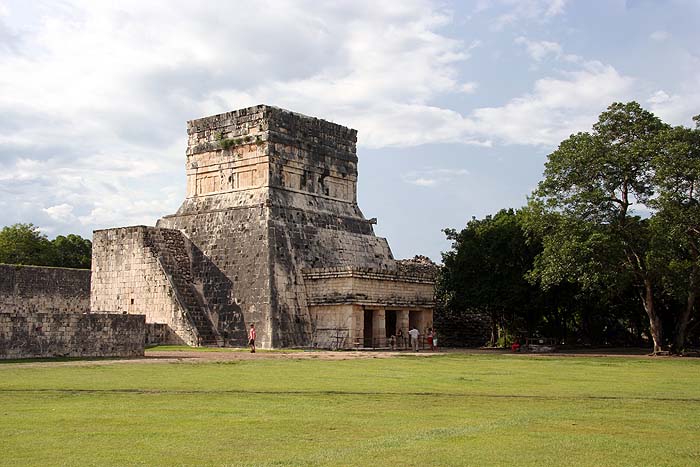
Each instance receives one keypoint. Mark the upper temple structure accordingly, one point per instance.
(269, 233)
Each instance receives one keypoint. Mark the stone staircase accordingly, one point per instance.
(171, 250)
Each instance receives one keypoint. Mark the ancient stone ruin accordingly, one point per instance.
(45, 312)
(269, 233)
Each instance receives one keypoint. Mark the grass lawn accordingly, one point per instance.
(449, 410)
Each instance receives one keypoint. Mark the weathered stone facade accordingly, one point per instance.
(356, 307)
(271, 205)
(137, 270)
(25, 289)
(60, 334)
(44, 312)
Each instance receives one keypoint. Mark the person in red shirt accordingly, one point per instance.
(251, 338)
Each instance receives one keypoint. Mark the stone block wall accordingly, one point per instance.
(128, 277)
(161, 334)
(336, 326)
(231, 262)
(462, 329)
(368, 287)
(56, 334)
(267, 146)
(25, 289)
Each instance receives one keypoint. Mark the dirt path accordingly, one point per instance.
(198, 356)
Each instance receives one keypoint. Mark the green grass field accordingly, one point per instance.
(448, 410)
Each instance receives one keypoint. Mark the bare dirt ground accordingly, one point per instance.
(156, 356)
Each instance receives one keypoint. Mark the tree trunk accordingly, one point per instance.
(494, 329)
(684, 318)
(654, 318)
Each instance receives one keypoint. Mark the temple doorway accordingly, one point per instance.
(367, 333)
(414, 320)
(390, 323)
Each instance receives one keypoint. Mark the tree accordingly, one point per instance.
(72, 251)
(485, 270)
(591, 182)
(24, 244)
(677, 175)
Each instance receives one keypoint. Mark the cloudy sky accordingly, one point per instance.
(457, 104)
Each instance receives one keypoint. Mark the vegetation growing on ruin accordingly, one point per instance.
(25, 244)
(228, 143)
(450, 410)
(607, 250)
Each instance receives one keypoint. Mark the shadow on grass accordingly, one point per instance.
(345, 393)
(68, 359)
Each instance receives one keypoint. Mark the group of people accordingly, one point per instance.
(413, 336)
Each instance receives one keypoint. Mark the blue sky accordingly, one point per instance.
(457, 104)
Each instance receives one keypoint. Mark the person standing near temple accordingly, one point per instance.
(414, 333)
(251, 338)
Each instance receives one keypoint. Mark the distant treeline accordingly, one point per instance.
(607, 251)
(25, 244)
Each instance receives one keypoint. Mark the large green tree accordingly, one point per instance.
(485, 271)
(591, 183)
(677, 221)
(72, 251)
(24, 244)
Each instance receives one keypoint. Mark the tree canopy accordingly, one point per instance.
(485, 271)
(25, 244)
(610, 238)
(618, 202)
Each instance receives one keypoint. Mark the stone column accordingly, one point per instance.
(358, 323)
(402, 323)
(379, 327)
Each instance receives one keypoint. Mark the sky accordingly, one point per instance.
(457, 104)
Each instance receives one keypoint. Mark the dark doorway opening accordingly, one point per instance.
(390, 322)
(413, 319)
(367, 332)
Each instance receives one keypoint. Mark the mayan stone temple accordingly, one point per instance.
(269, 233)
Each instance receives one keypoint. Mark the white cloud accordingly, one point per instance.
(555, 7)
(430, 176)
(469, 88)
(61, 213)
(515, 11)
(556, 107)
(423, 181)
(677, 108)
(659, 36)
(659, 97)
(539, 50)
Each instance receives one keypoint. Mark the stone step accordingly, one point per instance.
(175, 260)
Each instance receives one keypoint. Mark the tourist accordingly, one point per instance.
(430, 338)
(251, 338)
(400, 338)
(414, 333)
